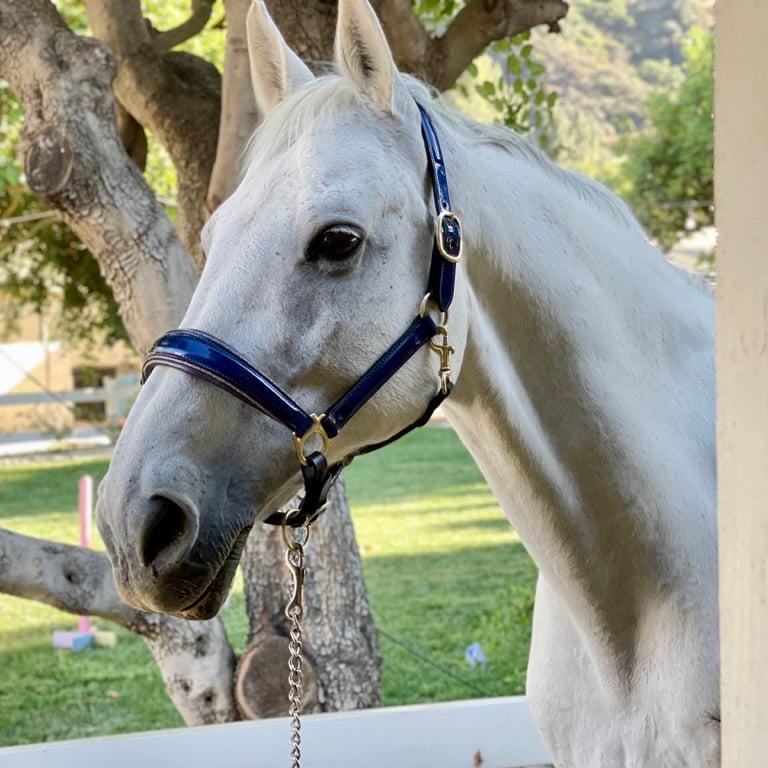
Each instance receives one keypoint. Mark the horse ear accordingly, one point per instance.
(276, 71)
(363, 54)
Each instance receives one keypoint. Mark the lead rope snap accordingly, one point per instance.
(294, 559)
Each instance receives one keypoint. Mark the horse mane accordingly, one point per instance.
(331, 94)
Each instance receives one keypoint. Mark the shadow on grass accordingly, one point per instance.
(435, 603)
(49, 694)
(413, 467)
(487, 523)
(441, 602)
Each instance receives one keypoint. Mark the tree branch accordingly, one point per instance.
(170, 38)
(411, 44)
(195, 658)
(441, 60)
(481, 22)
(239, 115)
(175, 95)
(133, 136)
(75, 161)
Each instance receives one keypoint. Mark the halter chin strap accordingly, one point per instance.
(206, 357)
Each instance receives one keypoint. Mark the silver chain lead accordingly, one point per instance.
(296, 686)
(294, 559)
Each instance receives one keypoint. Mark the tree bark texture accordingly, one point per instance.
(174, 95)
(75, 161)
(239, 116)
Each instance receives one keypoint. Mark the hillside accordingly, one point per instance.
(607, 59)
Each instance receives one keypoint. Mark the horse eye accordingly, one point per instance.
(334, 243)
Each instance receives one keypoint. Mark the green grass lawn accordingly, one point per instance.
(443, 570)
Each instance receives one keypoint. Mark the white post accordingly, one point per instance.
(741, 196)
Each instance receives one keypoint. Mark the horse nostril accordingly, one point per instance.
(168, 526)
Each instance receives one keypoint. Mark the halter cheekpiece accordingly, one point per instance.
(206, 357)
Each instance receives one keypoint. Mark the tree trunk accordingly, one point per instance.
(341, 639)
(175, 95)
(239, 115)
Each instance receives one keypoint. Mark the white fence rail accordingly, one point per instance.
(83, 395)
(499, 732)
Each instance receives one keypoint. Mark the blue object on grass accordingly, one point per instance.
(74, 641)
(474, 655)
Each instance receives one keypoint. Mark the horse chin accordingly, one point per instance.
(208, 603)
(209, 595)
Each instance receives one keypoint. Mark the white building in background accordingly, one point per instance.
(49, 387)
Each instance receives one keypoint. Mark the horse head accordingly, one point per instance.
(315, 265)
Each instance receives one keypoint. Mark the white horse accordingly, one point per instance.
(584, 389)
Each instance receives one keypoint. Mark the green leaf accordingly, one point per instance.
(472, 69)
(486, 89)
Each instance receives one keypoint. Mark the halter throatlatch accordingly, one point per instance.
(206, 357)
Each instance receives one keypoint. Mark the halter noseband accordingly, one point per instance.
(206, 357)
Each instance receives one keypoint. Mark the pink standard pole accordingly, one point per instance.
(84, 506)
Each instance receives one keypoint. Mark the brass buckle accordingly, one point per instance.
(316, 429)
(440, 236)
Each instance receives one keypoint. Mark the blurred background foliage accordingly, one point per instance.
(668, 167)
(623, 94)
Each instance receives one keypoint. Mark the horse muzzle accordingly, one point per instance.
(165, 560)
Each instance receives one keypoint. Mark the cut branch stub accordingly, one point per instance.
(261, 679)
(48, 161)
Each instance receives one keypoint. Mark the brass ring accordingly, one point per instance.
(316, 429)
(423, 308)
(294, 546)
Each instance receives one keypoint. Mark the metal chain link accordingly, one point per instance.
(296, 685)
(294, 559)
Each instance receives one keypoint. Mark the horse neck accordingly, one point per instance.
(586, 392)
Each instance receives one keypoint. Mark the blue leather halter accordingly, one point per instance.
(206, 357)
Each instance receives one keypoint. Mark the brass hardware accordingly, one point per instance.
(444, 352)
(440, 240)
(295, 562)
(294, 559)
(423, 309)
(316, 429)
(296, 543)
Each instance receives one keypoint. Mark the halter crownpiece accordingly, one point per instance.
(206, 357)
